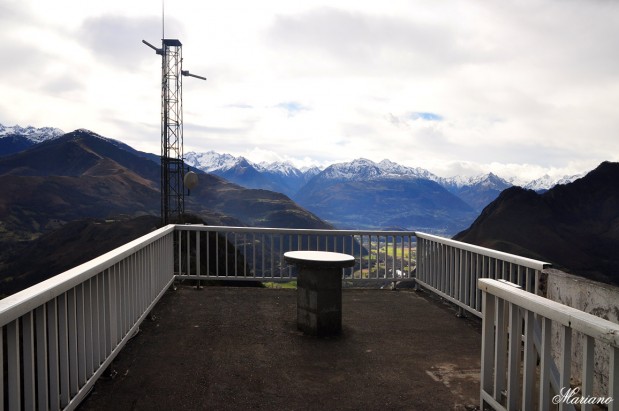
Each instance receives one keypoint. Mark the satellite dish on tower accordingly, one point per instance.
(190, 180)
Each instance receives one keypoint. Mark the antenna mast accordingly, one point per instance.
(172, 164)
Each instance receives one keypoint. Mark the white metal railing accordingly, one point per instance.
(59, 336)
(250, 253)
(452, 268)
(511, 378)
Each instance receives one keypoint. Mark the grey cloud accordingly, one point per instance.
(567, 41)
(13, 14)
(26, 66)
(62, 84)
(18, 55)
(21, 57)
(214, 130)
(367, 39)
(118, 40)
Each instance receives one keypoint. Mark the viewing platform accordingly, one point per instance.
(137, 328)
(238, 348)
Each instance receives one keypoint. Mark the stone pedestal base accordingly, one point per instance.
(319, 301)
(319, 290)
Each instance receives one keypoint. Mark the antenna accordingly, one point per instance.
(172, 164)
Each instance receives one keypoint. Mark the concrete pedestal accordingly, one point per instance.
(319, 290)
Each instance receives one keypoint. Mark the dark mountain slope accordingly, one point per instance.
(83, 175)
(61, 199)
(76, 242)
(14, 144)
(28, 263)
(260, 208)
(380, 203)
(574, 226)
(71, 178)
(75, 154)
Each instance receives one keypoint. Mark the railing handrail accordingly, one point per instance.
(271, 230)
(588, 324)
(16, 305)
(510, 258)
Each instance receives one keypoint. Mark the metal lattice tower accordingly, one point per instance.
(172, 164)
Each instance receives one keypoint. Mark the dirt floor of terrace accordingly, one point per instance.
(225, 348)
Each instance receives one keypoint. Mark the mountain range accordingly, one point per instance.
(364, 194)
(359, 194)
(284, 177)
(51, 181)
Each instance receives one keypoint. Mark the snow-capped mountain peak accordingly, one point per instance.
(284, 168)
(546, 182)
(210, 161)
(362, 168)
(488, 181)
(36, 135)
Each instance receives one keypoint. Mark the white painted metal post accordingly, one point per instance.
(513, 365)
(29, 359)
(545, 359)
(500, 350)
(530, 357)
(14, 375)
(72, 332)
(52, 334)
(41, 330)
(566, 363)
(588, 364)
(63, 349)
(613, 379)
(487, 345)
(81, 335)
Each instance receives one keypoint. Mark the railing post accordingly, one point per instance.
(198, 271)
(530, 357)
(513, 365)
(14, 375)
(487, 345)
(42, 380)
(28, 360)
(52, 333)
(566, 362)
(545, 359)
(613, 379)
(499, 347)
(588, 364)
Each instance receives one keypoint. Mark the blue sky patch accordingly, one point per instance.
(292, 107)
(420, 115)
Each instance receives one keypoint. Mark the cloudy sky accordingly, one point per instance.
(520, 88)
